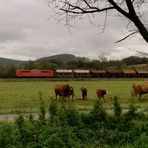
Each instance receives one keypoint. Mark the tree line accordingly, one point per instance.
(126, 63)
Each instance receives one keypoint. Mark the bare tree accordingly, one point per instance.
(133, 10)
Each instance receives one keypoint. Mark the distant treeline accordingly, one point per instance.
(126, 63)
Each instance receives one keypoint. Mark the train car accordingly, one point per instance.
(35, 73)
(113, 73)
(129, 73)
(142, 74)
(66, 73)
(98, 73)
(81, 73)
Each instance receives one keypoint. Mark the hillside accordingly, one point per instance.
(63, 58)
(59, 57)
(7, 62)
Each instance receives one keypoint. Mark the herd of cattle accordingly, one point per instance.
(66, 91)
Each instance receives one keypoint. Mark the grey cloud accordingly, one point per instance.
(26, 33)
(7, 34)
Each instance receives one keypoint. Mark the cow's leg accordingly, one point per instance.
(85, 97)
(59, 97)
(140, 94)
(132, 93)
(99, 97)
(56, 97)
(63, 98)
(103, 98)
(82, 97)
(72, 98)
(68, 97)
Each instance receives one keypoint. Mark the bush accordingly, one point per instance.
(98, 113)
(7, 135)
(65, 127)
(117, 108)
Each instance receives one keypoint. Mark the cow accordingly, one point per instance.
(64, 91)
(70, 93)
(139, 89)
(135, 90)
(101, 93)
(84, 93)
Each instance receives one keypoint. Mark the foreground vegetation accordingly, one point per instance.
(65, 127)
(23, 96)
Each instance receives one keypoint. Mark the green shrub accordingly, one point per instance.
(42, 111)
(142, 141)
(69, 117)
(98, 113)
(7, 135)
(53, 108)
(117, 108)
(65, 127)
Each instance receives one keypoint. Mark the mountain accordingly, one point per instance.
(7, 62)
(63, 58)
(59, 57)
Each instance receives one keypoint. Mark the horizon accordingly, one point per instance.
(74, 56)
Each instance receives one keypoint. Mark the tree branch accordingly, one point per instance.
(118, 8)
(130, 7)
(126, 36)
(79, 10)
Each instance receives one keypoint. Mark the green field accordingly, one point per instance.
(23, 96)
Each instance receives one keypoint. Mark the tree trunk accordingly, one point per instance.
(142, 29)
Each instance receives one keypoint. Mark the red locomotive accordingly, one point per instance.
(35, 73)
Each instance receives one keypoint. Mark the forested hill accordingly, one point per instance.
(7, 62)
(64, 58)
(59, 57)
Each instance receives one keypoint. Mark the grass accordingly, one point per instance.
(23, 96)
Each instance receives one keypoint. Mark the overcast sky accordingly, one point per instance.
(26, 33)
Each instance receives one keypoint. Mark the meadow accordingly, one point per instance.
(72, 124)
(23, 96)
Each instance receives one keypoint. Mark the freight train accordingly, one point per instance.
(78, 73)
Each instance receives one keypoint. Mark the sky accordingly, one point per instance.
(27, 33)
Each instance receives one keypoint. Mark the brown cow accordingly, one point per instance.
(71, 93)
(139, 89)
(63, 91)
(84, 93)
(136, 88)
(101, 93)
